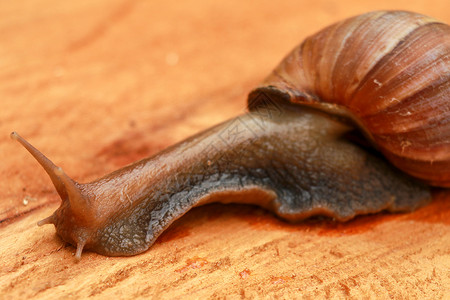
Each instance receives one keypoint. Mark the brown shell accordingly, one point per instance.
(391, 70)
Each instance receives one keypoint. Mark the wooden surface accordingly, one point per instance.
(98, 84)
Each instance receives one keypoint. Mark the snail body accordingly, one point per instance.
(298, 151)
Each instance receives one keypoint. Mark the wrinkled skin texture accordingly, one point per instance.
(294, 162)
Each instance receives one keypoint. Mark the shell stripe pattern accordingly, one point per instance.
(391, 69)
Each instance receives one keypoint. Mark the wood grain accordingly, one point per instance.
(98, 84)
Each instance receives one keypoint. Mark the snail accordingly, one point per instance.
(355, 120)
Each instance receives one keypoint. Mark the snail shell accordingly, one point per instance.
(388, 71)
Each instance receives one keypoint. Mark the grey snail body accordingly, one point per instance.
(300, 149)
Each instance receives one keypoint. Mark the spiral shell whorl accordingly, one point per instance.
(391, 69)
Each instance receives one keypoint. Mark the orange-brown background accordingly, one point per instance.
(98, 84)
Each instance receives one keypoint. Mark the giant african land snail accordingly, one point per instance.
(386, 74)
